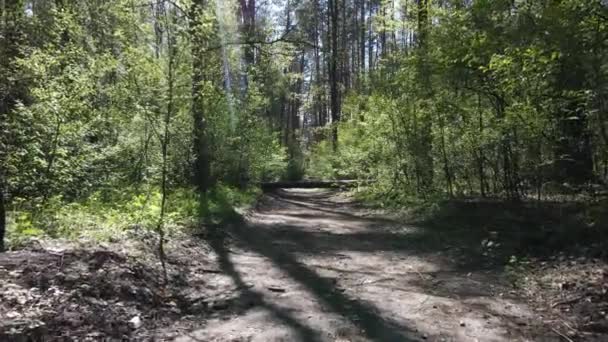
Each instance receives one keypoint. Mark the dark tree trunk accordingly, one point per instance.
(426, 140)
(2, 216)
(574, 162)
(362, 38)
(201, 172)
(573, 152)
(318, 79)
(248, 12)
(480, 157)
(11, 91)
(370, 39)
(343, 71)
(446, 164)
(333, 71)
(383, 33)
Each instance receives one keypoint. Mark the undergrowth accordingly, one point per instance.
(109, 215)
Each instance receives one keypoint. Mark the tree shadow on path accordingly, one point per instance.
(287, 232)
(361, 314)
(218, 244)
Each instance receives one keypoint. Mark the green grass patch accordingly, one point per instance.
(108, 216)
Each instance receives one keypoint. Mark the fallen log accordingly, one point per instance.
(311, 184)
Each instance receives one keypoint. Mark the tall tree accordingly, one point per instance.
(424, 162)
(334, 88)
(11, 88)
(199, 44)
(248, 18)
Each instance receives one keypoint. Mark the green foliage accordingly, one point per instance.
(110, 215)
(321, 161)
(497, 102)
(83, 151)
(245, 148)
(223, 201)
(487, 98)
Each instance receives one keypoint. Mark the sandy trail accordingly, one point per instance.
(309, 265)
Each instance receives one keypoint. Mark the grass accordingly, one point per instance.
(108, 216)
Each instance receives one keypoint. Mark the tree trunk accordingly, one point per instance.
(11, 13)
(446, 164)
(164, 140)
(362, 38)
(383, 33)
(426, 140)
(2, 213)
(333, 71)
(370, 39)
(318, 106)
(480, 157)
(201, 172)
(248, 13)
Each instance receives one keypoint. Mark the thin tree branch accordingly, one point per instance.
(156, 3)
(284, 38)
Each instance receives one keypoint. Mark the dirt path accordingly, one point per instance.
(307, 266)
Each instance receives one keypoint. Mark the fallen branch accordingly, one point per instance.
(311, 184)
(211, 271)
(567, 301)
(562, 335)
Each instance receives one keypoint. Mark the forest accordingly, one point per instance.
(137, 133)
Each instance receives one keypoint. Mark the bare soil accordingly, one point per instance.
(304, 265)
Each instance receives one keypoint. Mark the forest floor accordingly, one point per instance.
(309, 265)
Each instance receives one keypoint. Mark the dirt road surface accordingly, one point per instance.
(309, 265)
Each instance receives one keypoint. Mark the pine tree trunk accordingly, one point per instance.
(333, 72)
(362, 38)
